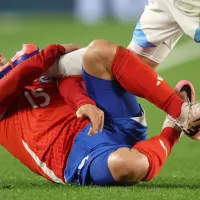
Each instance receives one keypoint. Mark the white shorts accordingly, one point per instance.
(161, 26)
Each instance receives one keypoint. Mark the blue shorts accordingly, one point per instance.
(120, 129)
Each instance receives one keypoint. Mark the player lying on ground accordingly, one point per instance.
(117, 63)
(161, 26)
(42, 131)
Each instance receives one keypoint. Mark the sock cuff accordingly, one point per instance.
(148, 177)
(120, 57)
(174, 106)
(155, 151)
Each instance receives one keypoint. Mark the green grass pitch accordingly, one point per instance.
(179, 178)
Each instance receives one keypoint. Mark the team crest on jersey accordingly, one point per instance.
(46, 79)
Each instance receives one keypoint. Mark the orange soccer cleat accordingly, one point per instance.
(27, 51)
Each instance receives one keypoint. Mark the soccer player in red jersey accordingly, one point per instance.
(39, 125)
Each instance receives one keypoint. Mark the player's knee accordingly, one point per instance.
(103, 49)
(99, 52)
(127, 166)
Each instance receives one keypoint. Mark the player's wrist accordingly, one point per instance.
(84, 103)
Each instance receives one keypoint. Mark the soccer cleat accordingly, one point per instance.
(193, 128)
(189, 120)
(27, 51)
(186, 91)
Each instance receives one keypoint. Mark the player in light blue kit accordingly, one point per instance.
(160, 27)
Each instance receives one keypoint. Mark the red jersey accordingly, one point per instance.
(40, 125)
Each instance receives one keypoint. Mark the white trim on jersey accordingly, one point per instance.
(42, 165)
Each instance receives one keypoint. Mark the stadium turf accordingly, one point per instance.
(179, 178)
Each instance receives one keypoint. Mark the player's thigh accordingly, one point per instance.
(156, 33)
(109, 95)
(186, 14)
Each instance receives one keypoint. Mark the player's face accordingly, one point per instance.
(2, 60)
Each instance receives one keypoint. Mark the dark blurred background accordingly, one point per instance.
(66, 21)
(88, 11)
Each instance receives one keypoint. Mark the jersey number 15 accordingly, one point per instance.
(37, 93)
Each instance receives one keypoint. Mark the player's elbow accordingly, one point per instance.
(128, 167)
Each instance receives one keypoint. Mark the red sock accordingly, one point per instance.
(157, 149)
(141, 80)
(26, 72)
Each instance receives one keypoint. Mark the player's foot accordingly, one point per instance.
(27, 51)
(186, 91)
(190, 111)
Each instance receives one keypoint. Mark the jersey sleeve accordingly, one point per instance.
(26, 72)
(49, 54)
(72, 89)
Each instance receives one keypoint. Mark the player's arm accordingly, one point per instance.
(26, 72)
(72, 89)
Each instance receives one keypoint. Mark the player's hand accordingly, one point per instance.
(95, 115)
(2, 60)
(71, 47)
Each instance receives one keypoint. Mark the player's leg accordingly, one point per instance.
(134, 75)
(126, 165)
(186, 14)
(25, 70)
(137, 78)
(144, 160)
(155, 34)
